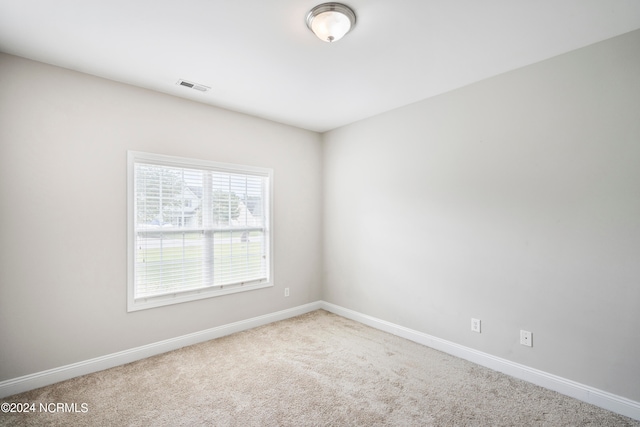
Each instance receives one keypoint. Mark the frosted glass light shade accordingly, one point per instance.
(331, 21)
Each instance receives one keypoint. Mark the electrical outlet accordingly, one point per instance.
(475, 325)
(286, 292)
(526, 338)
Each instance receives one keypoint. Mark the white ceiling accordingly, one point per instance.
(259, 58)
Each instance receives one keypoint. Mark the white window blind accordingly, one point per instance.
(197, 229)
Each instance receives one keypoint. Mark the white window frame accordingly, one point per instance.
(133, 157)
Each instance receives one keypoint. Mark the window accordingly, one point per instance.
(197, 229)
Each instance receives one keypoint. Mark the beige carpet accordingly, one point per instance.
(318, 369)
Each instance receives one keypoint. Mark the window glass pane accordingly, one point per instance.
(239, 256)
(168, 262)
(168, 197)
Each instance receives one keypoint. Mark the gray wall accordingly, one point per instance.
(64, 138)
(515, 200)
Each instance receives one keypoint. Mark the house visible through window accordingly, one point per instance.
(196, 229)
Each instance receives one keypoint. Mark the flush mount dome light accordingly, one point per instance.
(331, 21)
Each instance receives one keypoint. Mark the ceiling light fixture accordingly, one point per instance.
(331, 21)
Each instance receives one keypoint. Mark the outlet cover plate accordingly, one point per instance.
(475, 325)
(526, 338)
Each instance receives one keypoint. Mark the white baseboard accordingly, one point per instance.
(570, 388)
(603, 399)
(44, 378)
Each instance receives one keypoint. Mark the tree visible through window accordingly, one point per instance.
(197, 229)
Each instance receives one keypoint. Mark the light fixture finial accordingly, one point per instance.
(331, 21)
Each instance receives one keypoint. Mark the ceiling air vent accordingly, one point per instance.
(196, 86)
